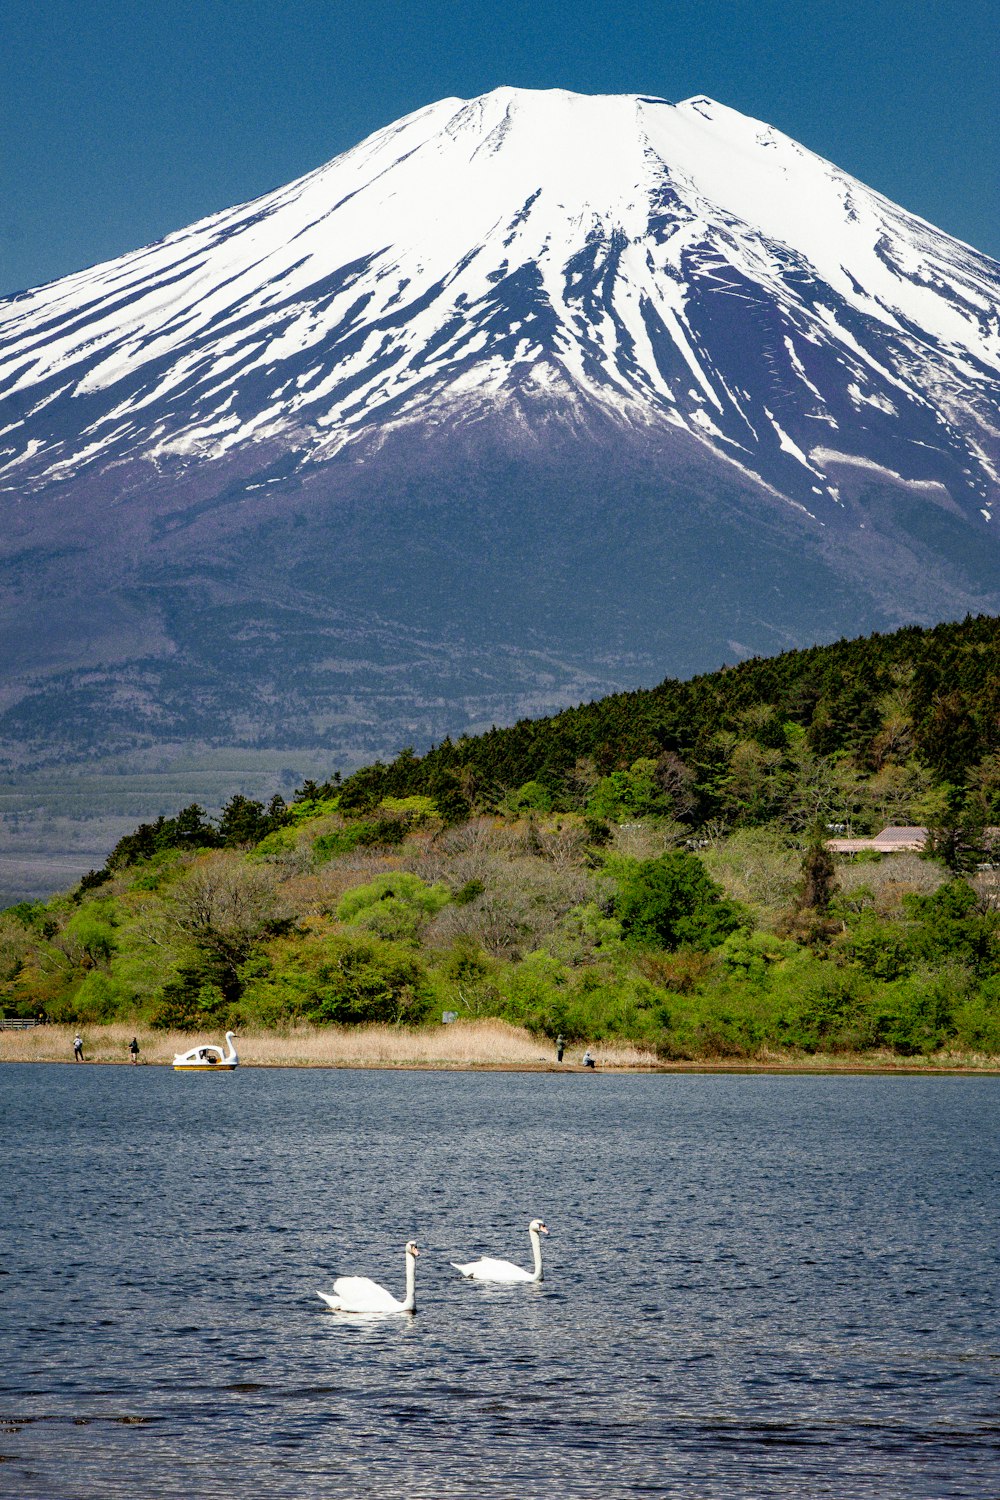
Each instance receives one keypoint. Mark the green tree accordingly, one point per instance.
(197, 996)
(950, 925)
(531, 797)
(344, 978)
(190, 829)
(243, 821)
(955, 831)
(635, 793)
(449, 797)
(89, 936)
(671, 902)
(819, 878)
(225, 908)
(394, 906)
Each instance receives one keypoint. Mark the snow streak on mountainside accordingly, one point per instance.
(533, 257)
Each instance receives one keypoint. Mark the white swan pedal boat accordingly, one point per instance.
(208, 1058)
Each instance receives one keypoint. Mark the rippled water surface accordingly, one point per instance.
(754, 1286)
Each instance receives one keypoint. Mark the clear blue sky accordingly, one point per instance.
(123, 119)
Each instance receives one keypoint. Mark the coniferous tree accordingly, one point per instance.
(819, 877)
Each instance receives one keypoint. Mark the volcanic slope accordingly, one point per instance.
(522, 400)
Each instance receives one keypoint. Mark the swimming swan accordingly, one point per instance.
(489, 1269)
(209, 1058)
(357, 1294)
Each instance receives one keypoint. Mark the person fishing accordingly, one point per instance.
(133, 1048)
(78, 1048)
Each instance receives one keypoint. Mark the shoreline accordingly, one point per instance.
(706, 1069)
(470, 1046)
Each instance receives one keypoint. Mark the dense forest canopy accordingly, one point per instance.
(930, 695)
(652, 865)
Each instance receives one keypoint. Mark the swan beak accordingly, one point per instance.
(543, 1228)
(414, 1251)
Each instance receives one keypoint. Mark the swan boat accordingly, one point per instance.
(208, 1058)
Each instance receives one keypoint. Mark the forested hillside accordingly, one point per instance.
(652, 866)
(923, 701)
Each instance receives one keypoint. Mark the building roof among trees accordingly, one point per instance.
(892, 840)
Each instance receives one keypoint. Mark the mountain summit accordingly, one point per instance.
(523, 399)
(526, 253)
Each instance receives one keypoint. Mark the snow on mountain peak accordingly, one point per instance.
(681, 265)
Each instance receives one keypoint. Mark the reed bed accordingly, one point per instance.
(463, 1044)
(101, 1044)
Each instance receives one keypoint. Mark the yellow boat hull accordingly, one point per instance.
(204, 1067)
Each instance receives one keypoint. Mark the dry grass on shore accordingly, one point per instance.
(463, 1044)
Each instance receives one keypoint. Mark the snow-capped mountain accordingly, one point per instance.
(523, 399)
(669, 265)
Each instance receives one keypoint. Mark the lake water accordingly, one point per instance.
(755, 1286)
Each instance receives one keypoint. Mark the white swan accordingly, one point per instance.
(489, 1269)
(210, 1058)
(357, 1294)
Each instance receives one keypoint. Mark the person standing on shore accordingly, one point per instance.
(560, 1046)
(78, 1048)
(133, 1048)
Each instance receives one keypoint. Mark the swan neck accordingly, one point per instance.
(410, 1300)
(536, 1246)
(231, 1044)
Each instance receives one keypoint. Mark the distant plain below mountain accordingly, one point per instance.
(523, 400)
